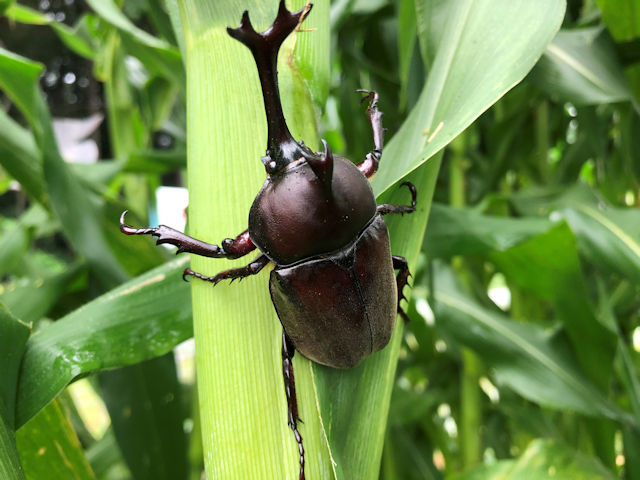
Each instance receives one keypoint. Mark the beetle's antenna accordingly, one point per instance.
(281, 147)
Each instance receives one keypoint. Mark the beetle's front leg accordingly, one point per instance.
(231, 247)
(232, 274)
(290, 390)
(400, 264)
(369, 166)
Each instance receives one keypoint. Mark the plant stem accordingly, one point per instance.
(242, 401)
(470, 415)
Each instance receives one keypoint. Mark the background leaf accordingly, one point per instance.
(581, 66)
(106, 333)
(463, 81)
(49, 448)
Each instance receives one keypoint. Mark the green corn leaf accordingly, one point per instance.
(78, 210)
(454, 231)
(49, 448)
(581, 66)
(72, 37)
(543, 459)
(31, 298)
(622, 18)
(486, 48)
(141, 319)
(13, 336)
(157, 55)
(147, 416)
(524, 356)
(20, 157)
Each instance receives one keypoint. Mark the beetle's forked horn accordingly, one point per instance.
(270, 40)
(264, 47)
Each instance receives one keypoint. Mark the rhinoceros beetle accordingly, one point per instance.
(316, 219)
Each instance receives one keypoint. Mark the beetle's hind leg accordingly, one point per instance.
(232, 274)
(402, 279)
(231, 247)
(290, 390)
(387, 208)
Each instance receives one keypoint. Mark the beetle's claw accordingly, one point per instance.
(124, 228)
(187, 273)
(372, 95)
(129, 230)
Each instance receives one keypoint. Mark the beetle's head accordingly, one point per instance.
(282, 149)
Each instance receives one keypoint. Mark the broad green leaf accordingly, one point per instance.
(77, 209)
(156, 54)
(14, 242)
(543, 459)
(581, 66)
(104, 456)
(10, 467)
(49, 448)
(622, 18)
(70, 36)
(13, 336)
(431, 18)
(524, 356)
(173, 11)
(156, 161)
(20, 157)
(407, 29)
(31, 298)
(454, 231)
(5, 4)
(538, 257)
(631, 438)
(548, 266)
(608, 236)
(466, 79)
(141, 319)
(147, 415)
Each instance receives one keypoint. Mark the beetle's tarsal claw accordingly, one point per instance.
(186, 274)
(129, 230)
(322, 165)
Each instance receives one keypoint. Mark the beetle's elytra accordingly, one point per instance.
(333, 284)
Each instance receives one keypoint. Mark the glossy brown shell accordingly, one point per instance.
(340, 308)
(295, 217)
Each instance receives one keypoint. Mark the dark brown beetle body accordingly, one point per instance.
(339, 308)
(316, 220)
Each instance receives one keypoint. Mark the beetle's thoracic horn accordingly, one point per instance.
(322, 165)
(264, 47)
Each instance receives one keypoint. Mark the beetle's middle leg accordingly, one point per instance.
(386, 208)
(231, 247)
(400, 264)
(290, 390)
(233, 273)
(369, 166)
